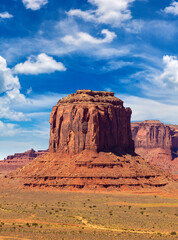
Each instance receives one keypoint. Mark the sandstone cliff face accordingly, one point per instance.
(157, 143)
(151, 134)
(90, 120)
(174, 134)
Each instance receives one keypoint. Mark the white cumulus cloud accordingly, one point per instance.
(7, 80)
(112, 12)
(34, 4)
(5, 15)
(172, 9)
(82, 37)
(40, 64)
(170, 72)
(10, 87)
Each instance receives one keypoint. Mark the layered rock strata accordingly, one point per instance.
(174, 135)
(90, 148)
(157, 143)
(17, 160)
(90, 170)
(151, 134)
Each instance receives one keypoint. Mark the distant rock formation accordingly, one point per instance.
(90, 120)
(17, 160)
(90, 148)
(174, 135)
(30, 154)
(151, 134)
(157, 143)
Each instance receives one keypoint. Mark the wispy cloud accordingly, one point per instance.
(82, 37)
(66, 39)
(8, 129)
(34, 4)
(12, 138)
(38, 102)
(166, 77)
(6, 15)
(40, 64)
(159, 81)
(172, 9)
(147, 109)
(115, 65)
(112, 12)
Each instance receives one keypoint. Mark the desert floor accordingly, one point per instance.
(54, 215)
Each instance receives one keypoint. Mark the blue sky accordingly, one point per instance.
(51, 48)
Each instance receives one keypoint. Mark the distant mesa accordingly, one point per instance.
(90, 148)
(157, 143)
(17, 160)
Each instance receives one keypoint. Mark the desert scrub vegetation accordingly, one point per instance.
(69, 215)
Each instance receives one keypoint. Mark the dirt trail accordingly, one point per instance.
(100, 227)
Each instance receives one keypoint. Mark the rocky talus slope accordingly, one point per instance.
(90, 170)
(157, 143)
(90, 148)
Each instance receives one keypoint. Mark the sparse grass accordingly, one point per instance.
(56, 215)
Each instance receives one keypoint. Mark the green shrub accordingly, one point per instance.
(35, 224)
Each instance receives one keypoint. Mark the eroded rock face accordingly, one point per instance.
(174, 135)
(151, 134)
(90, 120)
(157, 143)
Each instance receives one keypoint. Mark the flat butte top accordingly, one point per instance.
(89, 96)
(148, 123)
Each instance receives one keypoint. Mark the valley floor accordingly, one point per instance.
(74, 215)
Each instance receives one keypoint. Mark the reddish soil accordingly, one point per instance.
(90, 171)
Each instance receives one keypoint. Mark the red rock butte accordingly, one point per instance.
(90, 148)
(157, 143)
(90, 120)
